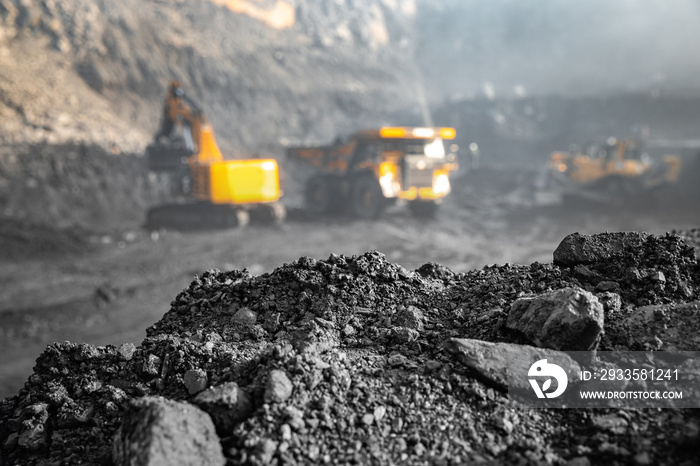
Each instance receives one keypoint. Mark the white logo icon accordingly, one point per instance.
(543, 369)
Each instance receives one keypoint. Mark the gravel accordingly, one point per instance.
(345, 360)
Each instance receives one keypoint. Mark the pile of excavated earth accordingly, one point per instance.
(358, 360)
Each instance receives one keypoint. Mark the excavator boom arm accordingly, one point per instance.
(180, 110)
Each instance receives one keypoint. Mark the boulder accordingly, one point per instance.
(567, 319)
(505, 365)
(156, 431)
(227, 405)
(34, 432)
(279, 387)
(410, 317)
(195, 380)
(245, 317)
(577, 249)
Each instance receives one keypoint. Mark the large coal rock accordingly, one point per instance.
(156, 431)
(578, 249)
(227, 404)
(493, 361)
(566, 319)
(643, 268)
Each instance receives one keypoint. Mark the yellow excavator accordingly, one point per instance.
(610, 172)
(212, 192)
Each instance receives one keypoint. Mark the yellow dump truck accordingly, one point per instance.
(612, 171)
(212, 192)
(366, 172)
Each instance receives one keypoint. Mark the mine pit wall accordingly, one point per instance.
(74, 185)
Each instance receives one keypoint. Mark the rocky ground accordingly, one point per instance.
(354, 359)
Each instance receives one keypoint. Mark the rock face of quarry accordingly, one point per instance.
(262, 70)
(358, 360)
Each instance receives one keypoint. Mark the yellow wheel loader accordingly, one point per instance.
(374, 168)
(213, 192)
(612, 172)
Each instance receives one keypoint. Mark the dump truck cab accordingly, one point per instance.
(367, 171)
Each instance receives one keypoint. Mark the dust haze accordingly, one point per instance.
(506, 48)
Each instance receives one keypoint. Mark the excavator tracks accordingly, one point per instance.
(206, 216)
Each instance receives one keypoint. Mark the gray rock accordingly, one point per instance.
(579, 461)
(285, 432)
(404, 334)
(151, 365)
(642, 459)
(295, 418)
(33, 433)
(409, 317)
(11, 441)
(245, 316)
(379, 413)
(126, 351)
(227, 404)
(566, 319)
(578, 249)
(279, 387)
(432, 365)
(195, 380)
(156, 431)
(610, 422)
(494, 361)
(265, 450)
(676, 326)
(612, 303)
(606, 286)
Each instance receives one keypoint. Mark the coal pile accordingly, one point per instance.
(358, 360)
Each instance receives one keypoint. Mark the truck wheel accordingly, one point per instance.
(317, 195)
(424, 209)
(366, 198)
(324, 194)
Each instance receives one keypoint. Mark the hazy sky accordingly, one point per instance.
(562, 46)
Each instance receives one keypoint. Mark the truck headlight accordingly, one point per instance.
(387, 179)
(441, 184)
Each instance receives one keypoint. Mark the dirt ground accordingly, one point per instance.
(112, 287)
